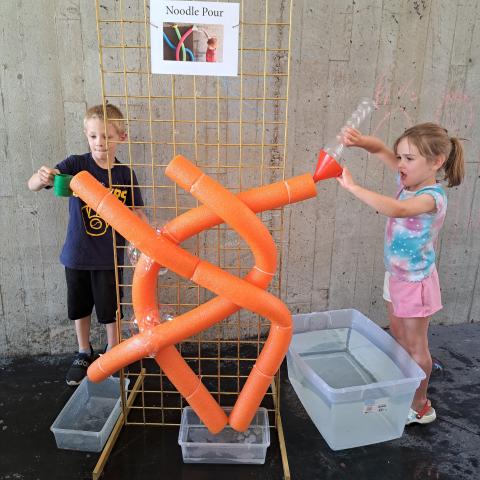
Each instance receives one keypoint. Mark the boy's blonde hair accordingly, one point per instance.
(114, 116)
(433, 140)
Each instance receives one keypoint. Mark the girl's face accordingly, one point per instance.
(97, 141)
(415, 170)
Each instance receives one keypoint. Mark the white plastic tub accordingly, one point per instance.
(354, 380)
(87, 419)
(228, 446)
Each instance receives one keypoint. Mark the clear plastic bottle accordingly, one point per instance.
(328, 158)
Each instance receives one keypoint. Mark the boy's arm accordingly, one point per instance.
(353, 138)
(140, 214)
(138, 200)
(42, 178)
(388, 206)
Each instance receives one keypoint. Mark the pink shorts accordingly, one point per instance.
(413, 299)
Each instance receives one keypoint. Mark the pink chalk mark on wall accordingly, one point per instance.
(404, 95)
(455, 112)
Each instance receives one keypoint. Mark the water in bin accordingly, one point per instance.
(343, 357)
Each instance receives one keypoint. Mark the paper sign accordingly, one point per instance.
(194, 38)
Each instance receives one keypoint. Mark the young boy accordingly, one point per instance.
(88, 254)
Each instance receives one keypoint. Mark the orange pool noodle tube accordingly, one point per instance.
(164, 251)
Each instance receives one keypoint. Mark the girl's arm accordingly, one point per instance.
(353, 138)
(388, 206)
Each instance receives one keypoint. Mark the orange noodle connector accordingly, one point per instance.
(219, 205)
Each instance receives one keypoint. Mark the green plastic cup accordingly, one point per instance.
(61, 185)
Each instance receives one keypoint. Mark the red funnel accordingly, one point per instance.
(327, 167)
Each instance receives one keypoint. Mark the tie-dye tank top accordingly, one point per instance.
(409, 252)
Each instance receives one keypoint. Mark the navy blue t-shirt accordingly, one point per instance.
(89, 242)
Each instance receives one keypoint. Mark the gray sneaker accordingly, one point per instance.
(78, 371)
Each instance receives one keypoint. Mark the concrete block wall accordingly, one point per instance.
(419, 60)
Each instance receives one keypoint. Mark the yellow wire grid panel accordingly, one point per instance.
(235, 130)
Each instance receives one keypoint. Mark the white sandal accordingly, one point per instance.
(426, 415)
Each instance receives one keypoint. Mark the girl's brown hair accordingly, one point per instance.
(431, 141)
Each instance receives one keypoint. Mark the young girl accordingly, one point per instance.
(211, 54)
(415, 217)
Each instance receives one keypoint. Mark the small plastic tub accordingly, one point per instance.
(87, 419)
(228, 446)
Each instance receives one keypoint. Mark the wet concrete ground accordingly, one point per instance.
(33, 392)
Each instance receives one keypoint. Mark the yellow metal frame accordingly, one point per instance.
(235, 129)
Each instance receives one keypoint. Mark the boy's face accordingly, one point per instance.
(97, 141)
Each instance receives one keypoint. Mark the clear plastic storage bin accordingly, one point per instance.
(228, 446)
(354, 380)
(88, 417)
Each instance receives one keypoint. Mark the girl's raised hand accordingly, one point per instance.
(346, 180)
(351, 137)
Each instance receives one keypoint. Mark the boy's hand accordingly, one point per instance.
(346, 180)
(46, 175)
(351, 137)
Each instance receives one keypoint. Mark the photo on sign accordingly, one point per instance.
(193, 43)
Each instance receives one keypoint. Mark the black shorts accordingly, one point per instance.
(89, 288)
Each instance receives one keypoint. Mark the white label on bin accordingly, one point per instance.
(378, 405)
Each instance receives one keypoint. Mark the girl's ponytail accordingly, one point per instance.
(455, 164)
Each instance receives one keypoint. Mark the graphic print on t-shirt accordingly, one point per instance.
(96, 226)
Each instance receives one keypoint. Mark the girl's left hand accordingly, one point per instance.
(346, 180)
